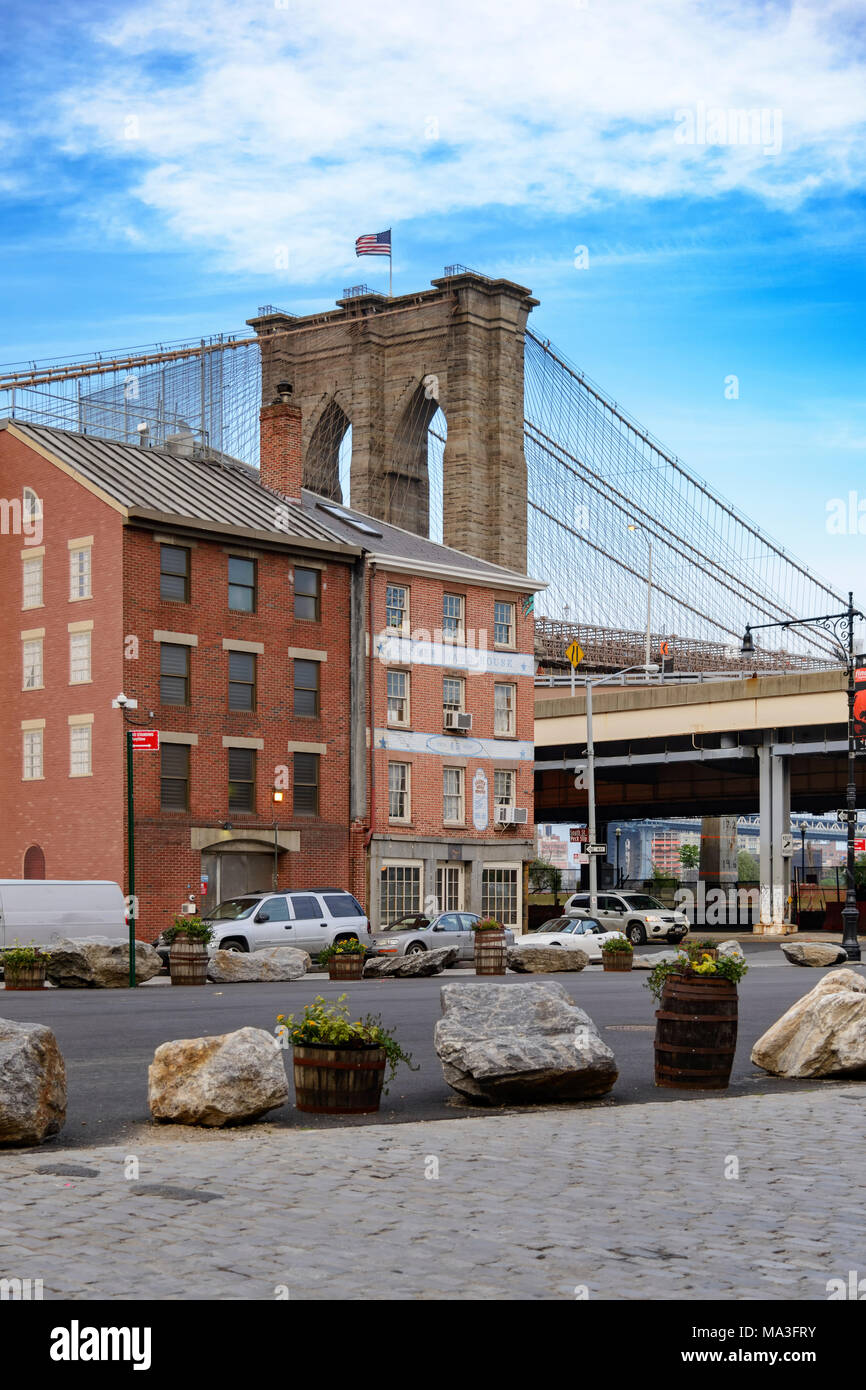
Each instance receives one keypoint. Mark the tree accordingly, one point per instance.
(545, 877)
(690, 856)
(748, 868)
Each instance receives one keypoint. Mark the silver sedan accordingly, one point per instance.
(417, 933)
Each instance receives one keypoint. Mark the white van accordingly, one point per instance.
(40, 910)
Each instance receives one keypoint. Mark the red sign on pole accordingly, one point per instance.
(859, 730)
(860, 846)
(579, 834)
(145, 740)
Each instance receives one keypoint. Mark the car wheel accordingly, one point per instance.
(415, 948)
(637, 934)
(234, 944)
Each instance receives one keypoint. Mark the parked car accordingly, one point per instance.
(640, 916)
(571, 933)
(416, 933)
(309, 920)
(40, 910)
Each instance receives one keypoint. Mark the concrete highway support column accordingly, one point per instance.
(775, 819)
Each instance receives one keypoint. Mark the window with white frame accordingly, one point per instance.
(79, 658)
(453, 694)
(503, 624)
(503, 787)
(398, 791)
(80, 748)
(31, 655)
(31, 509)
(79, 572)
(400, 891)
(398, 697)
(503, 709)
(397, 607)
(32, 742)
(453, 609)
(500, 894)
(449, 887)
(452, 795)
(31, 582)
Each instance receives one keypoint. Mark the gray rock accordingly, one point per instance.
(650, 962)
(94, 962)
(542, 960)
(823, 1034)
(274, 963)
(411, 966)
(32, 1083)
(813, 953)
(516, 1044)
(731, 948)
(217, 1081)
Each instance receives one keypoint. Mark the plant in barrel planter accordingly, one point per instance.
(345, 959)
(696, 1025)
(697, 950)
(617, 954)
(24, 967)
(490, 947)
(340, 1064)
(188, 938)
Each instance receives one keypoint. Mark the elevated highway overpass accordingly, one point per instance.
(764, 744)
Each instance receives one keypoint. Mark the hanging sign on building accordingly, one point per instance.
(480, 812)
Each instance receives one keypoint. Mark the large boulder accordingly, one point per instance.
(823, 1034)
(818, 953)
(216, 1081)
(542, 960)
(274, 963)
(408, 967)
(516, 1044)
(32, 1083)
(731, 948)
(94, 962)
(650, 962)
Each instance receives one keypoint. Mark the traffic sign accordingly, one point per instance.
(859, 846)
(145, 740)
(845, 815)
(596, 849)
(575, 654)
(787, 846)
(579, 834)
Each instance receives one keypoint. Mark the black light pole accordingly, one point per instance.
(841, 626)
(617, 833)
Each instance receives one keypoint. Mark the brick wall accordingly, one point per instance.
(76, 820)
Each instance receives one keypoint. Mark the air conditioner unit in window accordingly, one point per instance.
(511, 815)
(456, 719)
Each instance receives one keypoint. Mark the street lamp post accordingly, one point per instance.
(618, 834)
(124, 704)
(590, 774)
(841, 628)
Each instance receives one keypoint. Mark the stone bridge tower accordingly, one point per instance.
(384, 366)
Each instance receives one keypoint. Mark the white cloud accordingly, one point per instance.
(302, 127)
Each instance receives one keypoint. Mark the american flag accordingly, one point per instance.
(376, 244)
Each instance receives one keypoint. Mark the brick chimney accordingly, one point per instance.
(281, 463)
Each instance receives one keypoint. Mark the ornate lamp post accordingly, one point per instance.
(841, 628)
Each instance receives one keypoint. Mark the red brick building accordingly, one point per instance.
(381, 682)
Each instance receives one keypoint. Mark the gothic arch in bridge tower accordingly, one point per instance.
(386, 365)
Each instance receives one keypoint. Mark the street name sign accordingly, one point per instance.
(145, 740)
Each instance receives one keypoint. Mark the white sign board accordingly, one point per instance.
(480, 812)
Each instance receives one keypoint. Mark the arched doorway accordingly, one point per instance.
(34, 862)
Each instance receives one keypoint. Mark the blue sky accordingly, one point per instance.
(160, 164)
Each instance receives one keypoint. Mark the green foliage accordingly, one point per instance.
(618, 945)
(487, 924)
(16, 956)
(748, 868)
(690, 856)
(725, 968)
(193, 928)
(545, 877)
(329, 1025)
(349, 947)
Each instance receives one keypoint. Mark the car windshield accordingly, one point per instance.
(233, 909)
(642, 902)
(588, 924)
(408, 924)
(557, 924)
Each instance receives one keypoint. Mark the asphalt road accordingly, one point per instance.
(108, 1038)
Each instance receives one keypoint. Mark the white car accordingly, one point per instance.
(641, 917)
(571, 933)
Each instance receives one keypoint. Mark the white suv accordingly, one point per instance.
(641, 917)
(308, 920)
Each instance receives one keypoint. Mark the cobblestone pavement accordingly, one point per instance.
(629, 1203)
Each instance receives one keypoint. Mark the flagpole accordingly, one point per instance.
(390, 273)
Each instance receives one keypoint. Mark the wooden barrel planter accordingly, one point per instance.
(187, 962)
(338, 1080)
(490, 953)
(697, 953)
(25, 976)
(696, 1033)
(616, 960)
(346, 967)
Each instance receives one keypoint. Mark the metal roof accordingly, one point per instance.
(155, 482)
